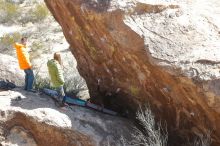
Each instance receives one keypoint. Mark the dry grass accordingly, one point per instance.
(153, 134)
(9, 12)
(7, 41)
(39, 13)
(150, 133)
(203, 140)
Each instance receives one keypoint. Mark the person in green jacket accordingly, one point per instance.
(56, 76)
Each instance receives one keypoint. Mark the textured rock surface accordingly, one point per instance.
(44, 38)
(9, 70)
(35, 120)
(165, 53)
(19, 136)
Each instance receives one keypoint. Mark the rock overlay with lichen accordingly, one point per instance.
(164, 53)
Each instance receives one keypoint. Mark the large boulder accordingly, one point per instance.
(36, 121)
(9, 70)
(142, 51)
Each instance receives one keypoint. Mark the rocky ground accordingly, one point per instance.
(36, 121)
(45, 37)
(9, 70)
(163, 53)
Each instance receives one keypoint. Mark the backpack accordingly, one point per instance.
(6, 85)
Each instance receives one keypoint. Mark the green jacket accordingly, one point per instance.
(56, 73)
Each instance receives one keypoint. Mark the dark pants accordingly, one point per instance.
(29, 79)
(61, 93)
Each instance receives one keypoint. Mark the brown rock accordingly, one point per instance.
(144, 51)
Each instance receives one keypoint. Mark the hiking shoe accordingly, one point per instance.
(32, 90)
(63, 104)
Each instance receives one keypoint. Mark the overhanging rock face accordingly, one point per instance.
(139, 51)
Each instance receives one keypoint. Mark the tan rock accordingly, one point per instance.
(9, 70)
(35, 120)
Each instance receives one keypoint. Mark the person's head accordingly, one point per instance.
(57, 57)
(24, 40)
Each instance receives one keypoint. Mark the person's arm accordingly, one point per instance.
(17, 46)
(59, 74)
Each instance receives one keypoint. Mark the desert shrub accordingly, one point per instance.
(15, 1)
(10, 39)
(8, 11)
(71, 87)
(149, 133)
(39, 82)
(40, 12)
(74, 85)
(37, 14)
(7, 41)
(152, 134)
(38, 48)
(203, 140)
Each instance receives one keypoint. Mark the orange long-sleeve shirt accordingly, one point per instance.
(23, 56)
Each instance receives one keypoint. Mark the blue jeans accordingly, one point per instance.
(29, 79)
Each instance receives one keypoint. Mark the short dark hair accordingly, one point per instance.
(57, 57)
(23, 39)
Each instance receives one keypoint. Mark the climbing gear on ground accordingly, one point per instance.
(55, 96)
(32, 91)
(6, 85)
(76, 101)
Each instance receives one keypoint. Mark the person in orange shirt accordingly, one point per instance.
(25, 64)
